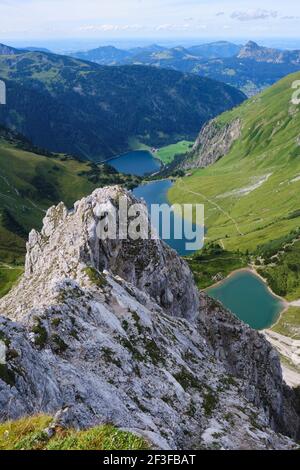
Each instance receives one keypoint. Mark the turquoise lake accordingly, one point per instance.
(156, 193)
(248, 297)
(138, 162)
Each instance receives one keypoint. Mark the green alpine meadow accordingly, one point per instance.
(252, 193)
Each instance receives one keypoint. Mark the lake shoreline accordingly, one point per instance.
(252, 271)
(130, 162)
(285, 303)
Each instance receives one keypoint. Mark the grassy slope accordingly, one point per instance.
(213, 261)
(29, 184)
(165, 154)
(29, 434)
(168, 153)
(24, 200)
(268, 146)
(17, 170)
(282, 271)
(8, 276)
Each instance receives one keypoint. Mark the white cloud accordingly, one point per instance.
(290, 18)
(110, 27)
(133, 18)
(251, 15)
(171, 27)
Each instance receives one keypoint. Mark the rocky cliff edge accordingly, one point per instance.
(115, 331)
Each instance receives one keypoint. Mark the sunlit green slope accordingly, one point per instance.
(30, 182)
(252, 195)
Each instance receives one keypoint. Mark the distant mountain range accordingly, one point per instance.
(68, 105)
(158, 55)
(250, 68)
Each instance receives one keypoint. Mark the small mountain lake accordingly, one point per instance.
(138, 162)
(248, 297)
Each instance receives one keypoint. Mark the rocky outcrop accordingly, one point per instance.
(213, 143)
(253, 51)
(115, 331)
(68, 243)
(244, 349)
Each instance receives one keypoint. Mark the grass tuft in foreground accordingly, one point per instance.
(29, 434)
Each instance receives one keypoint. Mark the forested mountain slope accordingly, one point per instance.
(95, 112)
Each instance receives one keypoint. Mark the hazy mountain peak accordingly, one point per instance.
(252, 45)
(7, 50)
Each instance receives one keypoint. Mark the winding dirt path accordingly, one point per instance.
(213, 204)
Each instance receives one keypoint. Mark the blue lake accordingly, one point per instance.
(249, 298)
(138, 162)
(141, 163)
(156, 193)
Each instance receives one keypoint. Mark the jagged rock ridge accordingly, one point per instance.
(116, 332)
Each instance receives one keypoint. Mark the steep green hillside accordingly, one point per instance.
(68, 105)
(30, 182)
(281, 266)
(252, 195)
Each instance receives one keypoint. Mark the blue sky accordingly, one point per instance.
(50, 19)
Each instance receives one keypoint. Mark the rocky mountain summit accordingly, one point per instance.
(253, 51)
(115, 331)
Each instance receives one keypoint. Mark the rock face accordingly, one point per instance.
(213, 142)
(258, 53)
(115, 331)
(69, 242)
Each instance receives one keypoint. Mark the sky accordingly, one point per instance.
(103, 19)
